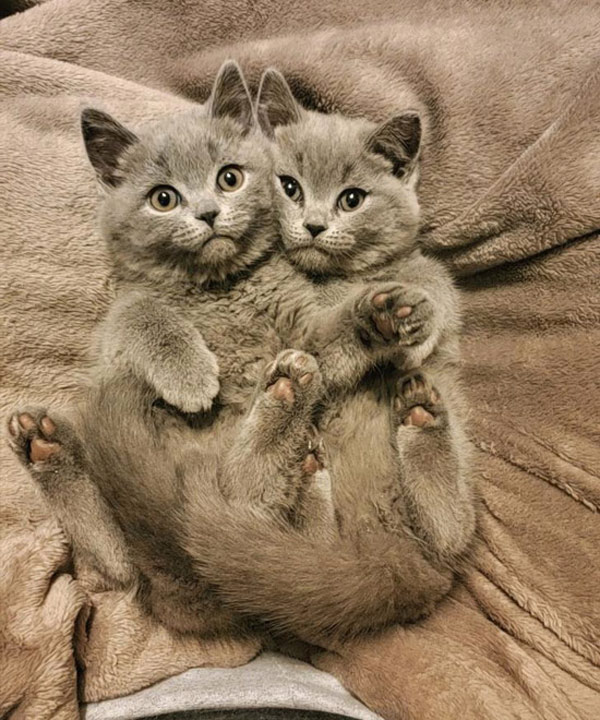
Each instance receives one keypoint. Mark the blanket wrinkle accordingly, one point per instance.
(493, 564)
(541, 459)
(537, 587)
(39, 605)
(509, 187)
(552, 206)
(468, 688)
(520, 624)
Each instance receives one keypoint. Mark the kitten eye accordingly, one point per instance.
(351, 199)
(164, 198)
(230, 178)
(291, 187)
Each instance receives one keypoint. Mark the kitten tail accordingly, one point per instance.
(318, 593)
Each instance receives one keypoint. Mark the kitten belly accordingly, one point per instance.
(358, 442)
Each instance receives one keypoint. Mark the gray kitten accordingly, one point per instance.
(187, 216)
(367, 335)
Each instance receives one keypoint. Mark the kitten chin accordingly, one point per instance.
(218, 251)
(313, 260)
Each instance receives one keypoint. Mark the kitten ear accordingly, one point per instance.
(230, 96)
(398, 140)
(275, 103)
(105, 141)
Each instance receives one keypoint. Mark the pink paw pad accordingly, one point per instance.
(385, 320)
(283, 389)
(418, 417)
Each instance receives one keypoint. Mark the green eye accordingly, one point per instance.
(351, 199)
(230, 178)
(164, 198)
(291, 187)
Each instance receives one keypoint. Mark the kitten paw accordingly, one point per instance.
(393, 314)
(315, 457)
(33, 437)
(417, 403)
(293, 378)
(188, 391)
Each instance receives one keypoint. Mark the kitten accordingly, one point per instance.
(348, 211)
(297, 582)
(187, 216)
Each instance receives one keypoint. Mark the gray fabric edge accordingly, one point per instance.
(271, 680)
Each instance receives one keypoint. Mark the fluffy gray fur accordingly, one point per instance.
(226, 512)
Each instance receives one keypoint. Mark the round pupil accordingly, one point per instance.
(352, 199)
(290, 188)
(164, 198)
(230, 178)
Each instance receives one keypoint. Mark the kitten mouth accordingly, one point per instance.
(307, 247)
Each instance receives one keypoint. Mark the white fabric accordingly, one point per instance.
(271, 680)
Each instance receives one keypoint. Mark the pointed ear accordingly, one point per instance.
(105, 141)
(275, 103)
(398, 140)
(230, 96)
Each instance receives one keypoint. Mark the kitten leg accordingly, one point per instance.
(142, 335)
(272, 462)
(314, 512)
(433, 458)
(53, 454)
(331, 336)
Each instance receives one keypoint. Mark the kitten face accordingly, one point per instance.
(345, 188)
(348, 211)
(189, 195)
(195, 196)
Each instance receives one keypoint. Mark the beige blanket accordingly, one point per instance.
(510, 188)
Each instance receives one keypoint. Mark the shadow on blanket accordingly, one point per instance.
(511, 194)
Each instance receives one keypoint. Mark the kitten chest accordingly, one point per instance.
(241, 336)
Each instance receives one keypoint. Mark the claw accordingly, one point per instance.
(13, 426)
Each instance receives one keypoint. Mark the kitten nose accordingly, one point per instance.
(314, 230)
(208, 217)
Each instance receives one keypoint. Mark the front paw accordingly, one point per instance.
(392, 315)
(191, 387)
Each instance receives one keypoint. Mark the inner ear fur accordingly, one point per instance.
(105, 142)
(276, 104)
(230, 96)
(398, 140)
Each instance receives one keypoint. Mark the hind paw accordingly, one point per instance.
(292, 377)
(43, 442)
(417, 402)
(32, 436)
